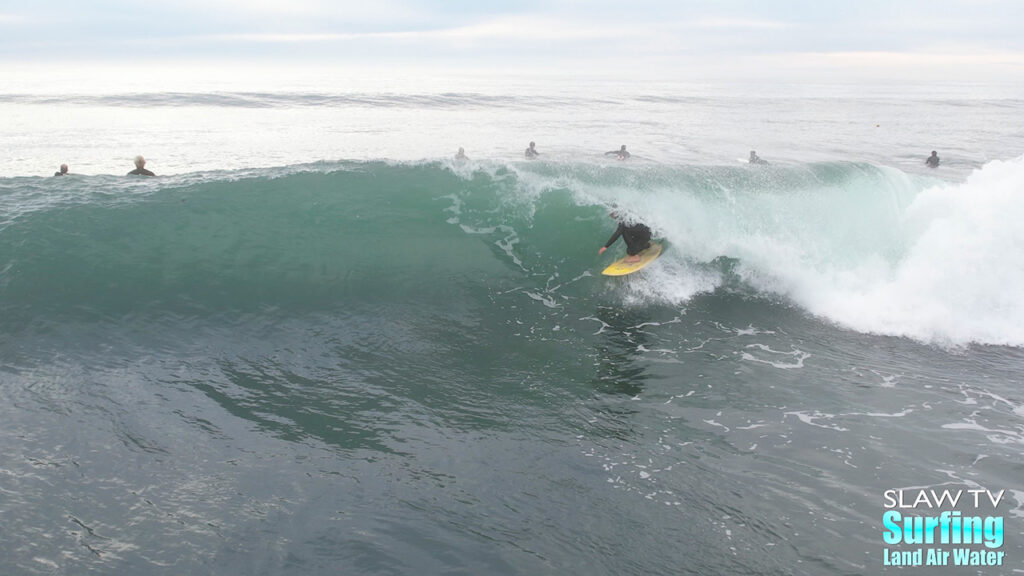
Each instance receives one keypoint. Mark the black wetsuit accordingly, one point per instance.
(636, 236)
(932, 161)
(141, 172)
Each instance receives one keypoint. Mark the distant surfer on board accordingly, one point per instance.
(933, 160)
(63, 170)
(531, 152)
(461, 154)
(755, 159)
(637, 237)
(621, 153)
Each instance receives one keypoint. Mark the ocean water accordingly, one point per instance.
(316, 344)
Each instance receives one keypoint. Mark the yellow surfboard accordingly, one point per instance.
(621, 267)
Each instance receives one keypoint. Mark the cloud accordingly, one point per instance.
(696, 37)
(531, 27)
(736, 23)
(506, 28)
(9, 18)
(306, 12)
(885, 60)
(895, 65)
(280, 38)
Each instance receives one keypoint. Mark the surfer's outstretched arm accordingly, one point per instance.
(615, 236)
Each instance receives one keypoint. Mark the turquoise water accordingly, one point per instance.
(415, 367)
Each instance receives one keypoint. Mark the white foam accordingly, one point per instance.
(872, 249)
(961, 277)
(798, 356)
(670, 280)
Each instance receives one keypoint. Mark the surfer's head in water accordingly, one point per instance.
(755, 159)
(140, 168)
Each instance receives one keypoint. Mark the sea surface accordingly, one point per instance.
(317, 344)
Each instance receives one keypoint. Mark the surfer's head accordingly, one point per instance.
(140, 161)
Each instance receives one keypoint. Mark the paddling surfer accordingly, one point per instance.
(620, 153)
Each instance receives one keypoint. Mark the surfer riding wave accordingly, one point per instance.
(636, 235)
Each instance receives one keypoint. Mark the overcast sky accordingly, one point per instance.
(932, 40)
